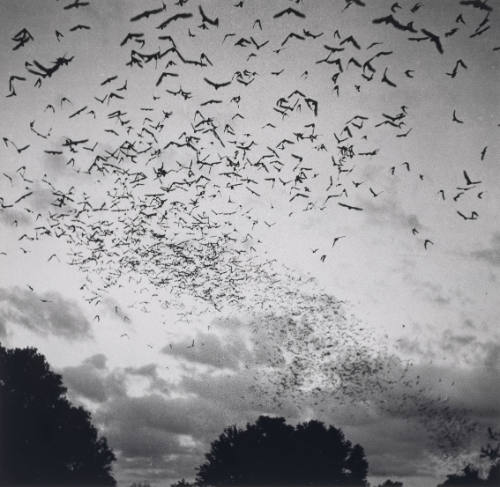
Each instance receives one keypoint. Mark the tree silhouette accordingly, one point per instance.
(270, 452)
(470, 477)
(183, 483)
(44, 440)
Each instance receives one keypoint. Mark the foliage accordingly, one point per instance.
(44, 439)
(470, 476)
(270, 452)
(183, 483)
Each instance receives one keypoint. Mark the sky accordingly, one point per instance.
(245, 210)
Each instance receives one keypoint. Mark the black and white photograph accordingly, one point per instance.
(250, 243)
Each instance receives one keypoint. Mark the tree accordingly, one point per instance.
(44, 440)
(271, 452)
(183, 483)
(391, 483)
(470, 477)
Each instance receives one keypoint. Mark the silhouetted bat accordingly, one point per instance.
(481, 5)
(76, 4)
(352, 40)
(108, 80)
(22, 37)
(217, 85)
(434, 38)
(390, 20)
(292, 35)
(78, 112)
(209, 102)
(131, 36)
(164, 75)
(204, 18)
(79, 27)
(148, 13)
(385, 79)
(182, 15)
(349, 207)
(289, 11)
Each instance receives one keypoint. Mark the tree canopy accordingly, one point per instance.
(391, 483)
(271, 452)
(44, 439)
(470, 475)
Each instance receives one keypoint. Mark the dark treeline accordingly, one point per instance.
(47, 441)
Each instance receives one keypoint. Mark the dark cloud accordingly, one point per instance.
(478, 391)
(491, 255)
(179, 415)
(159, 437)
(164, 470)
(98, 361)
(394, 446)
(143, 441)
(148, 370)
(14, 217)
(85, 381)
(492, 356)
(385, 212)
(45, 314)
(91, 380)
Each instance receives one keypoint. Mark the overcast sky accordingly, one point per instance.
(319, 240)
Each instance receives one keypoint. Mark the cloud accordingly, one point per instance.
(45, 314)
(3, 329)
(386, 212)
(84, 380)
(490, 255)
(158, 470)
(150, 372)
(143, 441)
(98, 360)
(164, 433)
(159, 437)
(394, 447)
(177, 415)
(492, 356)
(92, 381)
(114, 309)
(14, 217)
(213, 350)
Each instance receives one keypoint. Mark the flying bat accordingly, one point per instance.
(216, 85)
(390, 20)
(289, 11)
(148, 13)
